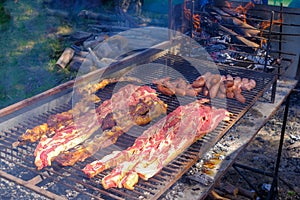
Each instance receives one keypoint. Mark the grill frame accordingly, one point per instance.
(160, 182)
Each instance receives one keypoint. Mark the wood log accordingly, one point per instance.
(236, 190)
(230, 189)
(76, 63)
(247, 193)
(98, 16)
(237, 36)
(248, 30)
(214, 195)
(65, 57)
(93, 43)
(109, 27)
(80, 36)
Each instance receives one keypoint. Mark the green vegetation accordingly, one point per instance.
(278, 2)
(4, 16)
(29, 50)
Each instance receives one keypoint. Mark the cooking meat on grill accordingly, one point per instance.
(140, 114)
(92, 88)
(81, 129)
(175, 87)
(59, 120)
(215, 85)
(212, 85)
(158, 145)
(56, 121)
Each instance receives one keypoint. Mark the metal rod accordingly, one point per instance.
(258, 171)
(269, 43)
(282, 52)
(280, 37)
(247, 180)
(192, 17)
(286, 34)
(170, 19)
(275, 179)
(273, 92)
(262, 10)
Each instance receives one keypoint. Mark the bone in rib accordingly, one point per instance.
(81, 129)
(158, 145)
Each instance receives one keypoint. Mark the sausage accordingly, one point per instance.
(221, 95)
(165, 90)
(198, 90)
(237, 80)
(205, 91)
(216, 78)
(213, 91)
(199, 82)
(229, 83)
(161, 81)
(180, 91)
(222, 87)
(252, 83)
(191, 92)
(181, 83)
(229, 77)
(240, 97)
(230, 94)
(238, 94)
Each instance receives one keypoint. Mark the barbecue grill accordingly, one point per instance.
(56, 182)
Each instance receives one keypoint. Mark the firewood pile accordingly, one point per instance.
(101, 24)
(232, 35)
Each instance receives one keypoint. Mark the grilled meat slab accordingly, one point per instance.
(121, 103)
(158, 145)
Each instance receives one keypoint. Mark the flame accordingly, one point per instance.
(196, 21)
(228, 4)
(196, 17)
(266, 24)
(242, 11)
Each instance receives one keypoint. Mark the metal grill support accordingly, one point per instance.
(275, 175)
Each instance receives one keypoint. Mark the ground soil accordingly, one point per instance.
(262, 153)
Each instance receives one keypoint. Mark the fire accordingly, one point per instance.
(266, 24)
(196, 18)
(196, 22)
(242, 11)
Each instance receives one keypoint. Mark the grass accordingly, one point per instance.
(29, 49)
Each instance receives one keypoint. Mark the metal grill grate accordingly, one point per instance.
(71, 183)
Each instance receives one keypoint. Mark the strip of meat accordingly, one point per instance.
(92, 88)
(158, 145)
(56, 122)
(76, 133)
(141, 114)
(59, 120)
